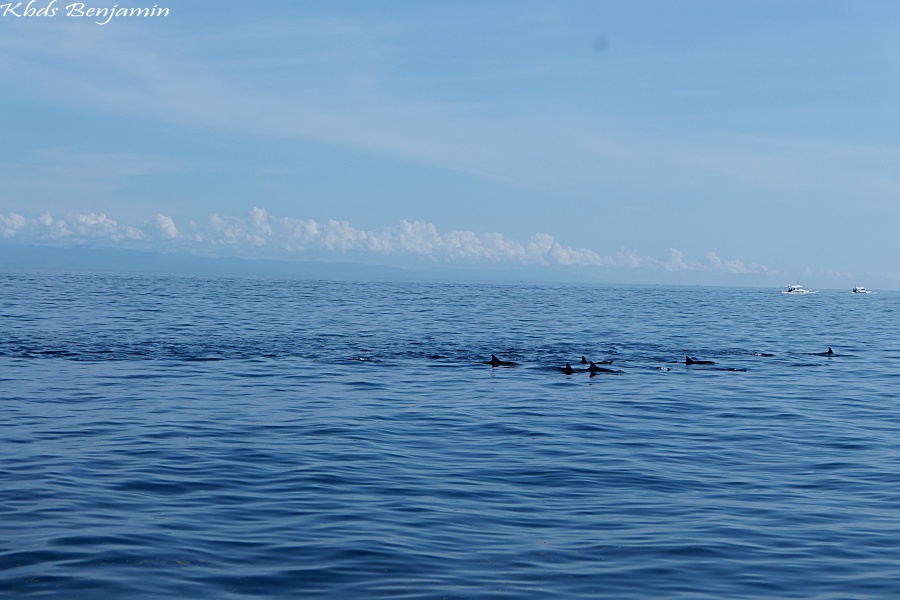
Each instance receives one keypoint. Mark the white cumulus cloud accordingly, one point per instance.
(258, 233)
(165, 225)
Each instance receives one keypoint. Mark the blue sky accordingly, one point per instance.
(739, 143)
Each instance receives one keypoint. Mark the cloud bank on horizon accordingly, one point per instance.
(259, 234)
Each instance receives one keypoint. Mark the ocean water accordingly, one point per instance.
(165, 436)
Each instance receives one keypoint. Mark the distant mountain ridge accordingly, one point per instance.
(23, 257)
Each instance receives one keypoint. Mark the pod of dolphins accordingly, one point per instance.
(594, 367)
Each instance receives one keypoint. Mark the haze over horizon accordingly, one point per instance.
(726, 143)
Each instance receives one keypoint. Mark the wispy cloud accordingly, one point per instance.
(338, 80)
(258, 233)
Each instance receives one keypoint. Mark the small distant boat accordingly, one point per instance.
(861, 290)
(796, 289)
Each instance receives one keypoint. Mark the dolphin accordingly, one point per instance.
(594, 368)
(690, 361)
(829, 353)
(608, 361)
(496, 362)
(568, 370)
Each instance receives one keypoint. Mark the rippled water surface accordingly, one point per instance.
(246, 438)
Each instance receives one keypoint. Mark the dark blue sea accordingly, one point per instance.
(191, 437)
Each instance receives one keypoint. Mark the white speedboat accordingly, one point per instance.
(796, 289)
(861, 290)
